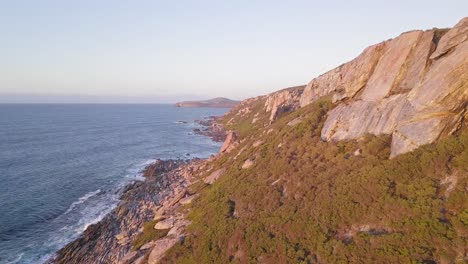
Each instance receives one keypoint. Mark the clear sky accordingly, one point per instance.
(144, 51)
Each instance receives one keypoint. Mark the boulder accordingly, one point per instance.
(160, 248)
(187, 200)
(164, 224)
(230, 143)
(247, 164)
(214, 176)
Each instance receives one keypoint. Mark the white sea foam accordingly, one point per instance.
(17, 259)
(81, 200)
(136, 171)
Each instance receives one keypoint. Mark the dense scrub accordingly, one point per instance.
(309, 201)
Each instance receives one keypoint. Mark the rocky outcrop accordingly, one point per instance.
(414, 87)
(283, 101)
(230, 142)
(110, 240)
(160, 247)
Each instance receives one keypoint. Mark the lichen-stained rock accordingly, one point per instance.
(347, 79)
(415, 66)
(457, 35)
(160, 248)
(283, 101)
(390, 65)
(445, 84)
(247, 164)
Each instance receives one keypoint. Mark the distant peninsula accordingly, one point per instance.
(216, 102)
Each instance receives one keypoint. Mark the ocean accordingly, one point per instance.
(62, 166)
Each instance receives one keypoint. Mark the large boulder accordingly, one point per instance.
(230, 142)
(160, 248)
(283, 101)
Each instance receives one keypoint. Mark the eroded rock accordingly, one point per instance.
(247, 164)
(214, 176)
(164, 224)
(230, 143)
(400, 87)
(160, 248)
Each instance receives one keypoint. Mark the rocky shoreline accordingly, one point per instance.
(211, 128)
(157, 199)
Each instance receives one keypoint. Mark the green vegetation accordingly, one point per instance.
(148, 234)
(309, 201)
(242, 121)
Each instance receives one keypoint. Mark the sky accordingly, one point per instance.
(164, 51)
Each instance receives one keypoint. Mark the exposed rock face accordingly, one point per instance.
(283, 101)
(160, 248)
(247, 164)
(230, 143)
(414, 87)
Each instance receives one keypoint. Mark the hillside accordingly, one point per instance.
(368, 163)
(215, 102)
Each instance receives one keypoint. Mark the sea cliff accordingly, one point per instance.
(367, 163)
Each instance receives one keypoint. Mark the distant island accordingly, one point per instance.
(216, 102)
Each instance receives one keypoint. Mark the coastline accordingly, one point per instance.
(158, 197)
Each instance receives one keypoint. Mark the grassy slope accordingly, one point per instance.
(309, 201)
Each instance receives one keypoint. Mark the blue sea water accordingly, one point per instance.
(61, 166)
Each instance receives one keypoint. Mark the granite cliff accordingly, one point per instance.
(414, 87)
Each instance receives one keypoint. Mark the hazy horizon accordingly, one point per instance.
(159, 52)
(11, 98)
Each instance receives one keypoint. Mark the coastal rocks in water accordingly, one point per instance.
(162, 166)
(230, 143)
(414, 87)
(214, 176)
(283, 101)
(211, 128)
